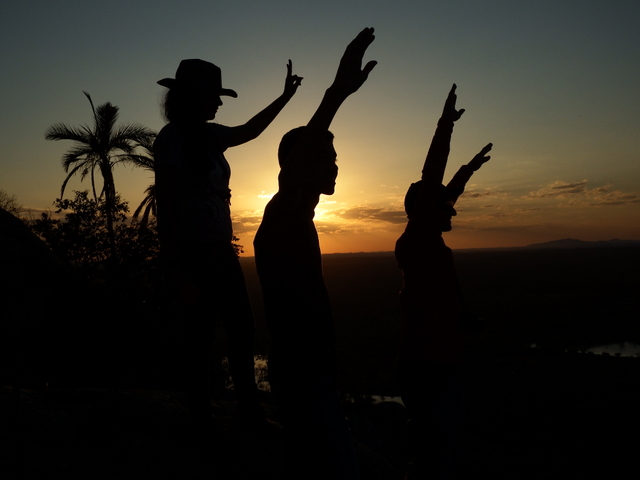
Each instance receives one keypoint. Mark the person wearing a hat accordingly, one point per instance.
(433, 312)
(194, 223)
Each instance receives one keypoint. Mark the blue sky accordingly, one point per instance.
(554, 85)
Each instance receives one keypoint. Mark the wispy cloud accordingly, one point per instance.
(579, 192)
(559, 189)
(490, 192)
(369, 213)
(246, 222)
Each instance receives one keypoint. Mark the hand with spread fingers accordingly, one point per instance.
(481, 158)
(449, 112)
(350, 75)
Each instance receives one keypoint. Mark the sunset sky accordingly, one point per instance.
(553, 84)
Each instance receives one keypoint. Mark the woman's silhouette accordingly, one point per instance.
(194, 222)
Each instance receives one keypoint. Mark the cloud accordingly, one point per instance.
(486, 193)
(579, 192)
(364, 212)
(331, 228)
(559, 189)
(603, 197)
(246, 222)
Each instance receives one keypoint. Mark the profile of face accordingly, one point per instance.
(210, 103)
(326, 169)
(445, 213)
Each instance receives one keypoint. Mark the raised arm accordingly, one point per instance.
(436, 161)
(256, 125)
(349, 78)
(426, 203)
(462, 176)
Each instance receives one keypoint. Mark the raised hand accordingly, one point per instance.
(481, 158)
(292, 82)
(350, 75)
(450, 112)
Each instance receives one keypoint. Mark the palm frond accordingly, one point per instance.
(140, 161)
(147, 143)
(135, 132)
(62, 131)
(80, 154)
(93, 109)
(107, 115)
(149, 205)
(66, 180)
(129, 137)
(145, 202)
(93, 183)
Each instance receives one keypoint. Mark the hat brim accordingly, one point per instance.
(172, 83)
(228, 92)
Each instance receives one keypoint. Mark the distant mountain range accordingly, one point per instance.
(573, 243)
(565, 243)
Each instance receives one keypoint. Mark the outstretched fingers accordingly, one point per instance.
(361, 42)
(486, 149)
(449, 112)
(351, 75)
(368, 67)
(481, 158)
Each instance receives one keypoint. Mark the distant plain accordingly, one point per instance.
(536, 405)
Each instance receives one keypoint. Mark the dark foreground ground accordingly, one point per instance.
(549, 411)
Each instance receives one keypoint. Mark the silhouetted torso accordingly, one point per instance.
(202, 174)
(431, 300)
(297, 305)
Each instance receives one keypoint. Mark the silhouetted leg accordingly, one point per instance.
(426, 441)
(239, 322)
(199, 331)
(198, 264)
(317, 442)
(432, 395)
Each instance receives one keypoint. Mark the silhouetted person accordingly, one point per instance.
(302, 359)
(432, 310)
(193, 198)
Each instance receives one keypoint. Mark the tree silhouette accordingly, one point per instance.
(10, 203)
(99, 147)
(81, 237)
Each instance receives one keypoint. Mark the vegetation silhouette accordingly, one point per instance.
(99, 147)
(9, 202)
(146, 161)
(80, 236)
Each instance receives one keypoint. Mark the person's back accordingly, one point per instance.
(431, 300)
(296, 301)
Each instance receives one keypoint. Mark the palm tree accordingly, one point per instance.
(100, 148)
